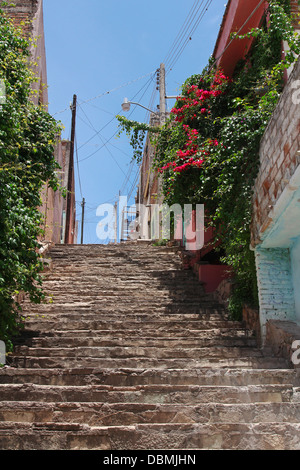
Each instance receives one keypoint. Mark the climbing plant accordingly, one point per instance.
(27, 139)
(208, 151)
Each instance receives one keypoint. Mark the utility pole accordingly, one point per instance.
(116, 222)
(162, 93)
(71, 170)
(82, 220)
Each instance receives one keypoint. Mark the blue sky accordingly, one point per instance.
(105, 51)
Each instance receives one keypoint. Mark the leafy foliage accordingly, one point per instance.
(137, 132)
(27, 139)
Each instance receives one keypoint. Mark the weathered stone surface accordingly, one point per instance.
(132, 354)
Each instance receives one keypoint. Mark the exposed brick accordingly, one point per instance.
(22, 11)
(278, 156)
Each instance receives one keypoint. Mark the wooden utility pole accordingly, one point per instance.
(116, 222)
(82, 220)
(162, 93)
(71, 170)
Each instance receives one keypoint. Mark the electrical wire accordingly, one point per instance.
(107, 92)
(183, 43)
(118, 88)
(109, 122)
(181, 32)
(112, 145)
(104, 143)
(134, 183)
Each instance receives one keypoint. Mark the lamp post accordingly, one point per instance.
(126, 106)
(162, 98)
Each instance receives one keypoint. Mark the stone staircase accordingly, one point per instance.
(129, 353)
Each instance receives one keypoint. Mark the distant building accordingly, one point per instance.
(148, 193)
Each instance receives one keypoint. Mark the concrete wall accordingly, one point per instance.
(71, 237)
(53, 203)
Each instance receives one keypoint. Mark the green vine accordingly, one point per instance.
(27, 139)
(137, 132)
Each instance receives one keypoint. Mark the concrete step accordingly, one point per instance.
(183, 394)
(214, 352)
(147, 363)
(131, 353)
(136, 376)
(57, 436)
(150, 341)
(173, 334)
(110, 313)
(45, 323)
(112, 414)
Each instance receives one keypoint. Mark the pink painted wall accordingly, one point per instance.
(235, 17)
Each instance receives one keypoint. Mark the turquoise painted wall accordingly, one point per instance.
(295, 266)
(275, 284)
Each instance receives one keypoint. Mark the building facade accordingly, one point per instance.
(28, 14)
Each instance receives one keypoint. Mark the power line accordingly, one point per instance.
(134, 183)
(116, 132)
(127, 179)
(112, 145)
(95, 135)
(106, 92)
(104, 143)
(117, 88)
(181, 32)
(182, 45)
(110, 121)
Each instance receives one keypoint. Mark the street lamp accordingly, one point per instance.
(126, 106)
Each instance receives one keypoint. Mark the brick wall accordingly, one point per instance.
(279, 155)
(295, 12)
(23, 11)
(276, 294)
(28, 14)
